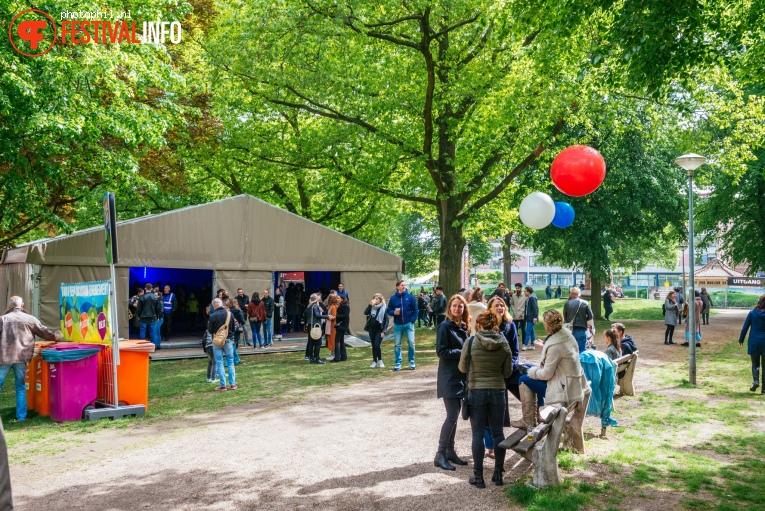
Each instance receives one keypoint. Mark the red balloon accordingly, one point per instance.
(578, 170)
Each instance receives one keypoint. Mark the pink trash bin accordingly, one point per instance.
(73, 385)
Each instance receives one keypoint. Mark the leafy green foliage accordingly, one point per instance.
(83, 119)
(734, 213)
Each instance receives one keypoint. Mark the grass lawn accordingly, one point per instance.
(694, 448)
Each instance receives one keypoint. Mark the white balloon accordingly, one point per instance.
(537, 210)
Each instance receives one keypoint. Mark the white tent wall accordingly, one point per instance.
(249, 281)
(361, 286)
(54, 276)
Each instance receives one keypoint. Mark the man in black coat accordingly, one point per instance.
(149, 309)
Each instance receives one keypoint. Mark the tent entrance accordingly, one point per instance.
(184, 283)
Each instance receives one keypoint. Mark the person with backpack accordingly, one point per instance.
(377, 324)
(221, 326)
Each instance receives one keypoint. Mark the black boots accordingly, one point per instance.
(452, 456)
(497, 477)
(317, 361)
(754, 386)
(442, 463)
(477, 479)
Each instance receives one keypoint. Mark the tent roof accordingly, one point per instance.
(716, 268)
(238, 233)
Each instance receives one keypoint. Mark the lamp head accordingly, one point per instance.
(690, 161)
(683, 247)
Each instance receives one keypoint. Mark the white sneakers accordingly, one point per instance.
(374, 364)
(528, 348)
(380, 364)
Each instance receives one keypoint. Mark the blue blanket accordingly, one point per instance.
(600, 371)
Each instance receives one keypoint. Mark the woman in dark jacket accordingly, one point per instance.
(313, 316)
(450, 336)
(342, 328)
(756, 348)
(377, 324)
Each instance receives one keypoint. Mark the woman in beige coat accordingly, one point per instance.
(558, 378)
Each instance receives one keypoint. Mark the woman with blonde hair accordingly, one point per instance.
(377, 324)
(476, 305)
(558, 378)
(451, 335)
(490, 363)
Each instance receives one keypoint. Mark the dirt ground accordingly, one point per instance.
(369, 446)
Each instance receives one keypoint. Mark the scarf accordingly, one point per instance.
(378, 311)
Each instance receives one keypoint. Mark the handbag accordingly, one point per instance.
(465, 404)
(570, 325)
(315, 332)
(219, 339)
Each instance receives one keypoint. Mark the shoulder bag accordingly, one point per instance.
(219, 339)
(570, 325)
(465, 403)
(315, 331)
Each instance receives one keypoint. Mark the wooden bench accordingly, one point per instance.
(540, 445)
(627, 364)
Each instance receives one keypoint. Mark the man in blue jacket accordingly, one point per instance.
(402, 307)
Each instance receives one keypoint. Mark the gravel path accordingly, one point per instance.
(365, 446)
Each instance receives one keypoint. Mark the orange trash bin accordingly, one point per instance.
(133, 372)
(29, 382)
(42, 387)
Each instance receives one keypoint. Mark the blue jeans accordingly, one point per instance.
(157, 329)
(19, 372)
(531, 336)
(268, 332)
(538, 387)
(257, 339)
(488, 441)
(150, 326)
(580, 334)
(228, 350)
(398, 333)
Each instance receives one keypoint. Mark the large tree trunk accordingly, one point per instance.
(595, 297)
(507, 258)
(452, 243)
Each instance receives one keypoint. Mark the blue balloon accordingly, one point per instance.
(564, 215)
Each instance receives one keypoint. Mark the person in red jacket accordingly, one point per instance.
(256, 310)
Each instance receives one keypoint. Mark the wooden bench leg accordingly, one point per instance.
(573, 436)
(545, 456)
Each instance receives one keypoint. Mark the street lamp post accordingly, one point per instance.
(636, 283)
(682, 256)
(691, 162)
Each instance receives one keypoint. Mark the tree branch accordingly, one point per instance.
(512, 175)
(279, 191)
(361, 224)
(456, 26)
(411, 198)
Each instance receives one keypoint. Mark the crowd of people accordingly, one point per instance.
(479, 345)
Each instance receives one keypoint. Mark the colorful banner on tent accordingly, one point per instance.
(84, 312)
